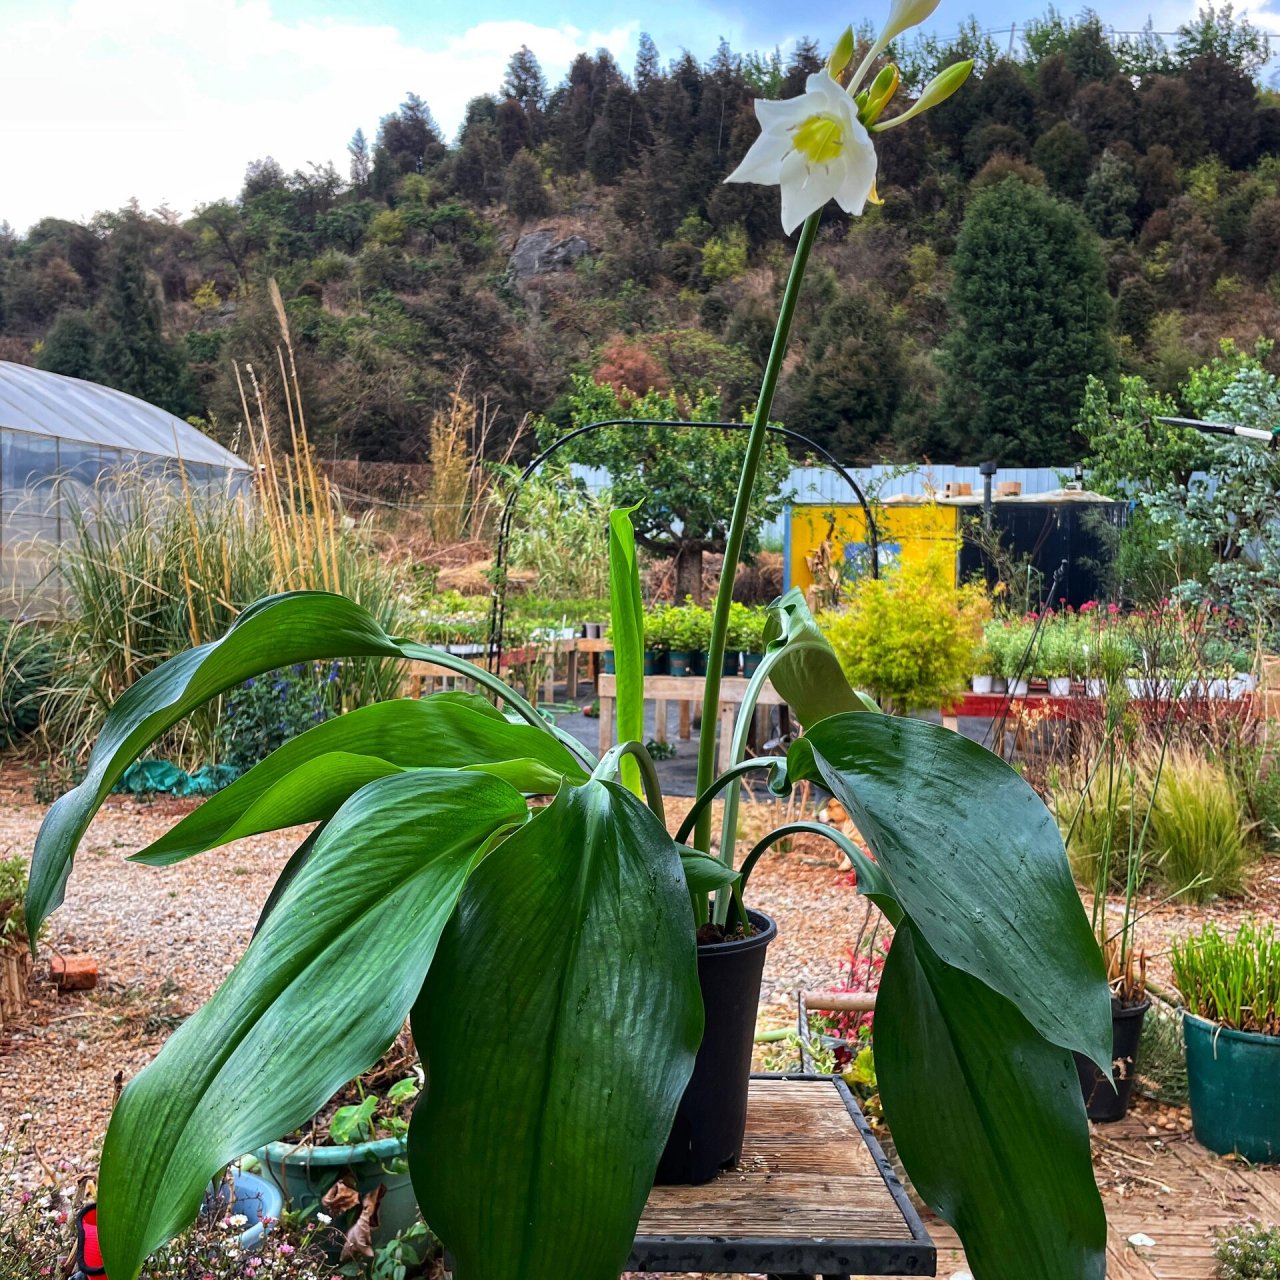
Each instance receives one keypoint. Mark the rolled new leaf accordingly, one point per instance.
(626, 625)
(557, 1026)
(322, 990)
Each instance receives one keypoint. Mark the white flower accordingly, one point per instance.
(815, 148)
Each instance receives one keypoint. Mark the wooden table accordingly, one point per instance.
(813, 1196)
(684, 690)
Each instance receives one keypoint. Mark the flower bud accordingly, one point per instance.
(905, 14)
(939, 89)
(872, 104)
(842, 54)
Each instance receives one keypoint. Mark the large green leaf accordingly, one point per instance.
(626, 628)
(988, 1121)
(558, 1026)
(803, 667)
(975, 861)
(310, 776)
(322, 990)
(298, 626)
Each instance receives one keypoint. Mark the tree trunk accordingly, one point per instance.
(689, 573)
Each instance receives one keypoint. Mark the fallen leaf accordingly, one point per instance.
(339, 1199)
(360, 1237)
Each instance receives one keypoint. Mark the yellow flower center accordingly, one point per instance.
(819, 138)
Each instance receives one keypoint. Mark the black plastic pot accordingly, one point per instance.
(706, 1136)
(656, 662)
(1102, 1103)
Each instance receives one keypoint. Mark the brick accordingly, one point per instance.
(75, 973)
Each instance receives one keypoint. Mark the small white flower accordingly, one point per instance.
(815, 148)
(323, 1217)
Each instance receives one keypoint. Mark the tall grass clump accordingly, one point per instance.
(560, 532)
(1199, 829)
(1232, 981)
(149, 568)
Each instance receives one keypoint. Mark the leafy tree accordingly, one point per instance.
(1062, 155)
(71, 347)
(361, 160)
(524, 81)
(525, 194)
(1031, 315)
(1111, 196)
(134, 356)
(1216, 31)
(685, 477)
(410, 138)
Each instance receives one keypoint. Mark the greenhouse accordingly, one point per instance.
(61, 442)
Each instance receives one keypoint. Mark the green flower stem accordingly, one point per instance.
(611, 763)
(738, 525)
(703, 803)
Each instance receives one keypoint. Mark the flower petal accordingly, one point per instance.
(763, 161)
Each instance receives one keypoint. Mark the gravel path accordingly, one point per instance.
(164, 938)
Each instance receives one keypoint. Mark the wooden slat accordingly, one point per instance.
(806, 1174)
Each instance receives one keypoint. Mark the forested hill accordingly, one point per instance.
(1086, 204)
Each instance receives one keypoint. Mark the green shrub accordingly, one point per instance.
(13, 888)
(560, 531)
(265, 713)
(1250, 1251)
(690, 627)
(909, 638)
(28, 659)
(1197, 828)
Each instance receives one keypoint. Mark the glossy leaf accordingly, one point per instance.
(975, 862)
(308, 778)
(322, 990)
(807, 674)
(557, 1027)
(704, 873)
(988, 1121)
(626, 627)
(298, 626)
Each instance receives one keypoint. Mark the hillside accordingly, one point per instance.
(1086, 204)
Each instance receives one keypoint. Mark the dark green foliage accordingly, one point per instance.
(71, 347)
(1031, 310)
(1111, 197)
(267, 711)
(28, 666)
(525, 194)
(1062, 155)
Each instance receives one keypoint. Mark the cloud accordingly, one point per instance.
(167, 102)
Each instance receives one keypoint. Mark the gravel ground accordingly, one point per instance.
(164, 938)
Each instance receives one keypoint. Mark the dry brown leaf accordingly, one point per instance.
(339, 1199)
(360, 1237)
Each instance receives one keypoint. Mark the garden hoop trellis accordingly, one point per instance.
(498, 607)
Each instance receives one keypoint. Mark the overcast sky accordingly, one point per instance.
(167, 100)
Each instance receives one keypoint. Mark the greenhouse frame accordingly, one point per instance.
(60, 438)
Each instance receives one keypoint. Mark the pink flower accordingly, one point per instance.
(1113, 609)
(285, 1248)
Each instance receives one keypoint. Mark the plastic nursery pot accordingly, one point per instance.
(706, 1136)
(1059, 686)
(609, 669)
(680, 662)
(982, 684)
(999, 684)
(751, 663)
(255, 1198)
(1102, 1103)
(698, 662)
(655, 662)
(729, 667)
(305, 1173)
(1233, 1078)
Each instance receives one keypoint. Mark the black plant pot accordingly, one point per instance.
(706, 1135)
(1102, 1103)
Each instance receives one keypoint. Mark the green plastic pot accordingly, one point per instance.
(305, 1173)
(608, 663)
(751, 663)
(1233, 1078)
(655, 662)
(681, 662)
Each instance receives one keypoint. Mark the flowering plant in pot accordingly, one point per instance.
(547, 955)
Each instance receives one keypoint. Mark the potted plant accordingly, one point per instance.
(685, 630)
(657, 640)
(984, 663)
(1231, 987)
(739, 636)
(548, 955)
(607, 657)
(1056, 658)
(358, 1139)
(995, 642)
(1013, 657)
(751, 634)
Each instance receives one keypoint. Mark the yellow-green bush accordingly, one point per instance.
(910, 638)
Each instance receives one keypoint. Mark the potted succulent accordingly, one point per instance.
(657, 640)
(1231, 987)
(547, 954)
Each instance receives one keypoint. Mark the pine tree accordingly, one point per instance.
(71, 347)
(1030, 310)
(361, 161)
(133, 356)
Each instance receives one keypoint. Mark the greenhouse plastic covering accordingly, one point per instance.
(59, 437)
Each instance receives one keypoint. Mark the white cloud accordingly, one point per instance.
(104, 100)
